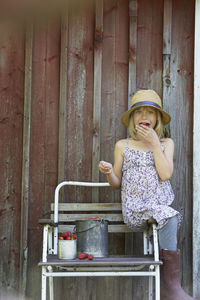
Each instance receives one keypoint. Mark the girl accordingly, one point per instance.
(143, 165)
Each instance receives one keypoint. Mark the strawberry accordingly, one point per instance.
(61, 238)
(82, 255)
(74, 237)
(69, 238)
(90, 257)
(67, 234)
(145, 124)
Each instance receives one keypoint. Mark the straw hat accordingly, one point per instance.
(146, 98)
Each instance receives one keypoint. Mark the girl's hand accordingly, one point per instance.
(148, 135)
(105, 167)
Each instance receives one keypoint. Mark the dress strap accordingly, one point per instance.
(162, 147)
(127, 142)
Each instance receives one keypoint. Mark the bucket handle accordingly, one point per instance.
(101, 221)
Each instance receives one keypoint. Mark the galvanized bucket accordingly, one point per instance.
(92, 237)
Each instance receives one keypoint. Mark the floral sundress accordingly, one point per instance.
(144, 194)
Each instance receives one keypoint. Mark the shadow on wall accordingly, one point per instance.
(10, 295)
(24, 9)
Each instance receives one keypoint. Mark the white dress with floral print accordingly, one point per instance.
(144, 194)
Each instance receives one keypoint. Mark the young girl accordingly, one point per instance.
(143, 165)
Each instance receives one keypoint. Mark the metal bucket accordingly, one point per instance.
(92, 237)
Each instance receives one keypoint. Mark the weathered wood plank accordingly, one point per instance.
(149, 45)
(88, 206)
(111, 228)
(80, 100)
(181, 111)
(26, 159)
(75, 217)
(133, 11)
(196, 158)
(132, 76)
(167, 25)
(97, 95)
(44, 136)
(11, 136)
(80, 116)
(108, 89)
(132, 48)
(114, 82)
(63, 95)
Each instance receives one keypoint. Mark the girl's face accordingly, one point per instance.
(145, 115)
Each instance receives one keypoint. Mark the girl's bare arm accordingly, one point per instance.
(164, 160)
(114, 173)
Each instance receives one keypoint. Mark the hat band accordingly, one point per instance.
(146, 103)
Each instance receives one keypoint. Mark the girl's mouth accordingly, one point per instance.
(145, 124)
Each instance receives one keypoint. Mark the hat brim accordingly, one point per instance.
(126, 116)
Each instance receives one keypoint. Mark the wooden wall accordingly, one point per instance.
(65, 80)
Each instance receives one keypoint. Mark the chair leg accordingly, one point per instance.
(157, 283)
(51, 289)
(44, 284)
(150, 287)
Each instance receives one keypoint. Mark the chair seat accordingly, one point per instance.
(119, 261)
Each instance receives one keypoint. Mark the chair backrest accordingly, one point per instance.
(68, 213)
(65, 214)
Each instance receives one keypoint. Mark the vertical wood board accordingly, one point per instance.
(26, 160)
(196, 158)
(149, 45)
(44, 141)
(133, 12)
(181, 110)
(97, 95)
(63, 96)
(167, 26)
(11, 128)
(80, 101)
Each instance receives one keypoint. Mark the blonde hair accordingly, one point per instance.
(158, 127)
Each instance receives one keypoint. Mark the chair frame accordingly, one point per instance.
(93, 268)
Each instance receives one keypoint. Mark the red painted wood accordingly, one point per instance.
(78, 164)
(114, 81)
(149, 45)
(78, 140)
(11, 126)
(44, 139)
(181, 110)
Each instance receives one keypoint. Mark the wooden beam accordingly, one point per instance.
(132, 48)
(133, 12)
(63, 96)
(196, 157)
(167, 24)
(97, 96)
(26, 160)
